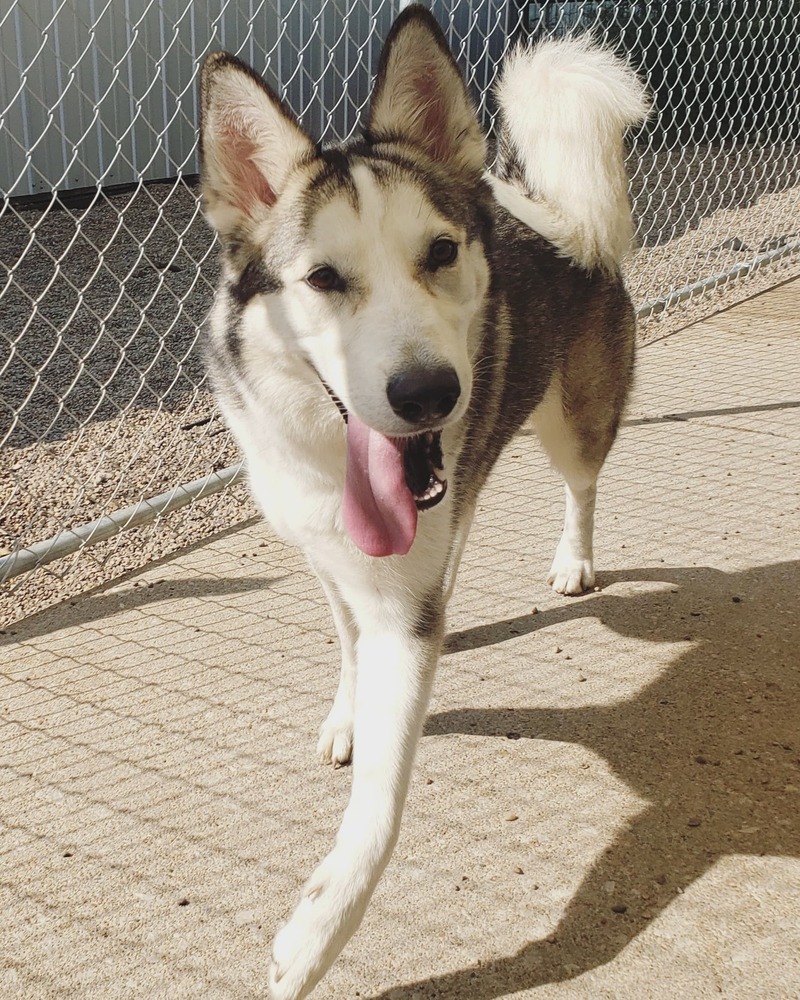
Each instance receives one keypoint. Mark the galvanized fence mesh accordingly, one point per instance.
(107, 268)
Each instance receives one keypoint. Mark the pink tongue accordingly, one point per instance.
(379, 511)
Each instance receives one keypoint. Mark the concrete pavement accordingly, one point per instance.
(606, 802)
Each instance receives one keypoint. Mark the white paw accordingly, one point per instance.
(305, 947)
(295, 961)
(571, 575)
(335, 745)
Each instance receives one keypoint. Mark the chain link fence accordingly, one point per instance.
(107, 268)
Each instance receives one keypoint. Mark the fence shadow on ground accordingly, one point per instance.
(96, 605)
(713, 745)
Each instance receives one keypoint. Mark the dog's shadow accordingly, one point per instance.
(713, 745)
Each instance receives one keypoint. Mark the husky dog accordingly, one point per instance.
(389, 315)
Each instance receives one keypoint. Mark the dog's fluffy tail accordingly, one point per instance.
(565, 105)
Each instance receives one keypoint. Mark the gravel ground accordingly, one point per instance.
(103, 395)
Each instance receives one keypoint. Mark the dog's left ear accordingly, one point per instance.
(420, 96)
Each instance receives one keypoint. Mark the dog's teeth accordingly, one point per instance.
(432, 491)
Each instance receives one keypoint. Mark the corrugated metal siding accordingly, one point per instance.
(104, 91)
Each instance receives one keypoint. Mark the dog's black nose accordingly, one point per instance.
(423, 395)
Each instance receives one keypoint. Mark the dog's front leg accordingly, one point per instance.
(335, 745)
(397, 649)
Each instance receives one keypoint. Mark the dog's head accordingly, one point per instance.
(369, 260)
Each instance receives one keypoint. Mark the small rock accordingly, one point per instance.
(693, 822)
(619, 908)
(519, 871)
(734, 243)
(511, 817)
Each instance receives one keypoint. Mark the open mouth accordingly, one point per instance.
(423, 467)
(388, 481)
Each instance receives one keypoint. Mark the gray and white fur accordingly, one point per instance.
(389, 315)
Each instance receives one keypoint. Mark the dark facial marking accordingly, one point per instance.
(336, 160)
(254, 280)
(332, 178)
(222, 366)
(466, 204)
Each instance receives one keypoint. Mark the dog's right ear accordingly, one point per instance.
(249, 143)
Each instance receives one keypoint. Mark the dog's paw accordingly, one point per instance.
(570, 575)
(308, 943)
(335, 745)
(293, 971)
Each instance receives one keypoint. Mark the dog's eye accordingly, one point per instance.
(326, 279)
(442, 252)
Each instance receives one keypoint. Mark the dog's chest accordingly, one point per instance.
(295, 460)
